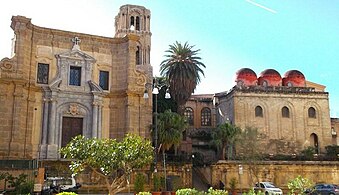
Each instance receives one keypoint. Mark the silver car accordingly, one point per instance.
(268, 188)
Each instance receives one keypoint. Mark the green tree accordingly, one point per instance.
(299, 185)
(182, 67)
(170, 128)
(163, 103)
(332, 151)
(248, 146)
(224, 137)
(21, 184)
(109, 158)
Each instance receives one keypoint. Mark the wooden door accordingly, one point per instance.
(71, 127)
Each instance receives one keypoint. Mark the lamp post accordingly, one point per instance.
(155, 92)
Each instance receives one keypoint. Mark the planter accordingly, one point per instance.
(156, 193)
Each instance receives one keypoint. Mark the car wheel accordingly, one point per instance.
(266, 193)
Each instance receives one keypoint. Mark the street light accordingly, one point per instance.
(155, 91)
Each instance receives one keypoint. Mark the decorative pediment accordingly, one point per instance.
(55, 83)
(76, 55)
(95, 87)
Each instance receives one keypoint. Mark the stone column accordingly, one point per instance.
(51, 122)
(100, 121)
(45, 122)
(95, 120)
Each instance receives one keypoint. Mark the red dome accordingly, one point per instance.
(246, 76)
(294, 78)
(270, 77)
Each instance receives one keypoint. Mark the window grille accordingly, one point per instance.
(75, 76)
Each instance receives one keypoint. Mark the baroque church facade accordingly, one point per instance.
(59, 84)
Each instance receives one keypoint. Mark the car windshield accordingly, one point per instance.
(269, 185)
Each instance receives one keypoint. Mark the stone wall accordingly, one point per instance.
(278, 172)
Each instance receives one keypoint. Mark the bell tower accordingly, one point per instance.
(134, 19)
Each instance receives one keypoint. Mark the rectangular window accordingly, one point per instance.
(75, 76)
(104, 79)
(42, 75)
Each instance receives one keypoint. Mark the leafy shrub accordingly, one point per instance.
(299, 185)
(233, 183)
(20, 184)
(67, 193)
(252, 192)
(189, 191)
(144, 193)
(158, 183)
(212, 191)
(308, 152)
(139, 183)
(332, 151)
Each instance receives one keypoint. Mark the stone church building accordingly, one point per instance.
(289, 112)
(59, 84)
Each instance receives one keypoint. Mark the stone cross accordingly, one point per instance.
(76, 40)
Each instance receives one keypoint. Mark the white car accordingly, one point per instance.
(268, 188)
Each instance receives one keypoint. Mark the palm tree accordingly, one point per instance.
(182, 69)
(224, 138)
(170, 128)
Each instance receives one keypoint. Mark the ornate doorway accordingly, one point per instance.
(71, 127)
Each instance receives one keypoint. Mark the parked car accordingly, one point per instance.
(268, 188)
(54, 185)
(324, 189)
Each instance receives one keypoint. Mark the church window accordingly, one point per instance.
(137, 56)
(311, 112)
(104, 79)
(189, 116)
(205, 117)
(132, 21)
(240, 83)
(43, 71)
(258, 111)
(264, 83)
(75, 76)
(285, 112)
(137, 23)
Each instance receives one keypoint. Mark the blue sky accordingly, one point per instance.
(232, 34)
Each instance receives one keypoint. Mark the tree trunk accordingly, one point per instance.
(223, 151)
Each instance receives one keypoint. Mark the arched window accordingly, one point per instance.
(315, 142)
(189, 115)
(137, 23)
(264, 83)
(285, 112)
(312, 113)
(132, 21)
(137, 56)
(206, 117)
(258, 112)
